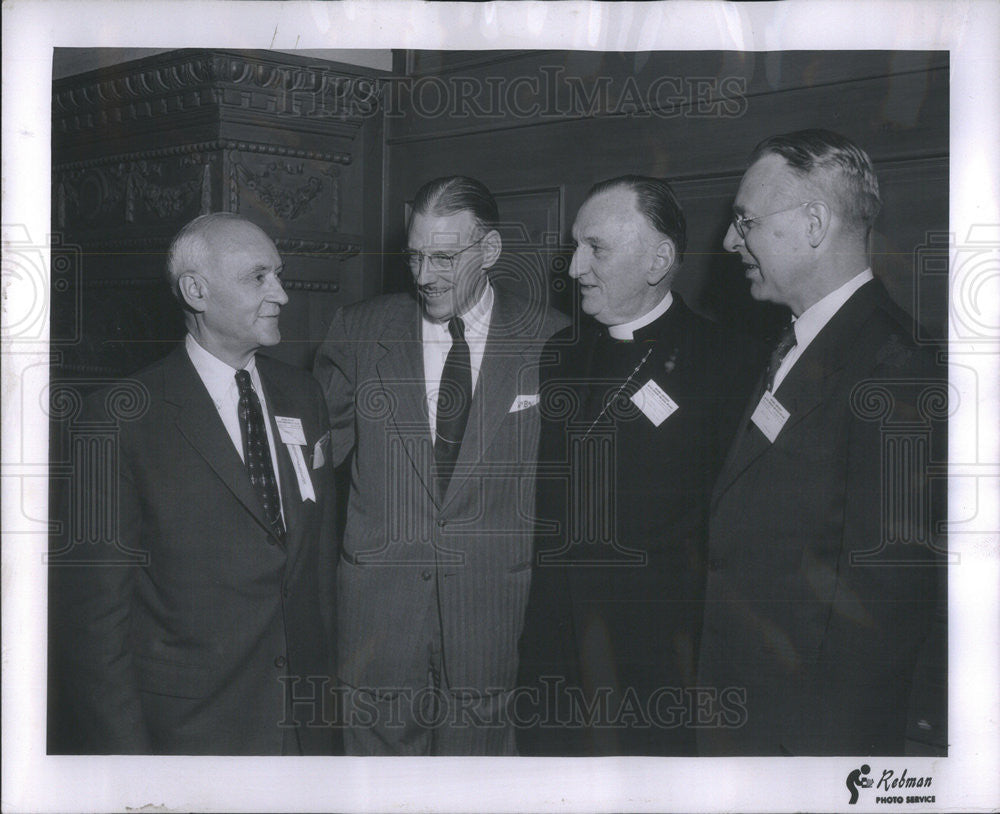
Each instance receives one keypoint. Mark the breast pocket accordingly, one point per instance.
(516, 440)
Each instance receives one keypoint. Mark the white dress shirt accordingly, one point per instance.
(220, 381)
(625, 330)
(811, 321)
(437, 342)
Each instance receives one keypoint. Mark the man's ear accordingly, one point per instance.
(492, 246)
(663, 262)
(819, 215)
(193, 291)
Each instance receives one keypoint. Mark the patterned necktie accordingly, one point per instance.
(257, 453)
(454, 401)
(785, 344)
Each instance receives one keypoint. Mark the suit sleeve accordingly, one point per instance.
(92, 602)
(336, 370)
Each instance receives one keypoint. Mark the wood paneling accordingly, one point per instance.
(324, 156)
(568, 119)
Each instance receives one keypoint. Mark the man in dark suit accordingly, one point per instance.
(822, 583)
(638, 407)
(437, 399)
(197, 620)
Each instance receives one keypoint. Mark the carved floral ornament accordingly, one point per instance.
(286, 190)
(128, 189)
(172, 182)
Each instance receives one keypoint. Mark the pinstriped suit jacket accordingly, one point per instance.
(408, 552)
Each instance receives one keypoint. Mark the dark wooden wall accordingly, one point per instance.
(540, 127)
(325, 157)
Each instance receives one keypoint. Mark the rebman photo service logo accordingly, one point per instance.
(891, 787)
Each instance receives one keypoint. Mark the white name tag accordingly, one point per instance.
(769, 416)
(290, 430)
(301, 472)
(656, 405)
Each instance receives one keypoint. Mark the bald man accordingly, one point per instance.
(198, 623)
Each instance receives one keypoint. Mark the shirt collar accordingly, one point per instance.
(218, 376)
(625, 330)
(811, 321)
(476, 319)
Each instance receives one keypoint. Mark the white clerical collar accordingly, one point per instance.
(476, 319)
(625, 330)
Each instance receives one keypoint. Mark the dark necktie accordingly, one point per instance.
(785, 344)
(454, 401)
(257, 453)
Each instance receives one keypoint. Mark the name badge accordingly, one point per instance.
(769, 416)
(290, 430)
(656, 405)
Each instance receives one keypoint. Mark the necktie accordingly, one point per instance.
(785, 344)
(257, 453)
(454, 400)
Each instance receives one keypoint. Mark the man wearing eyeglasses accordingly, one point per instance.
(437, 397)
(822, 587)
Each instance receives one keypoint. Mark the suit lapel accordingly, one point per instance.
(808, 384)
(400, 369)
(199, 422)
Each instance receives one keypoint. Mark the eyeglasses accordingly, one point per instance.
(740, 222)
(438, 261)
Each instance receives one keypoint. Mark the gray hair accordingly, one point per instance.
(822, 155)
(190, 246)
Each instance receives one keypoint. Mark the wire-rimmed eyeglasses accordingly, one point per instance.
(741, 222)
(438, 261)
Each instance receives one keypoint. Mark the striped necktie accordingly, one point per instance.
(454, 401)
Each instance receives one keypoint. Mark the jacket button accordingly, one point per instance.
(442, 523)
(425, 575)
(280, 661)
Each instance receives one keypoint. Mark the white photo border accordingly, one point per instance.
(32, 781)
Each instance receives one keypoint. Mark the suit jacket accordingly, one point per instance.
(813, 625)
(616, 597)
(406, 552)
(195, 646)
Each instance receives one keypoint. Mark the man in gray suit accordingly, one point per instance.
(438, 400)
